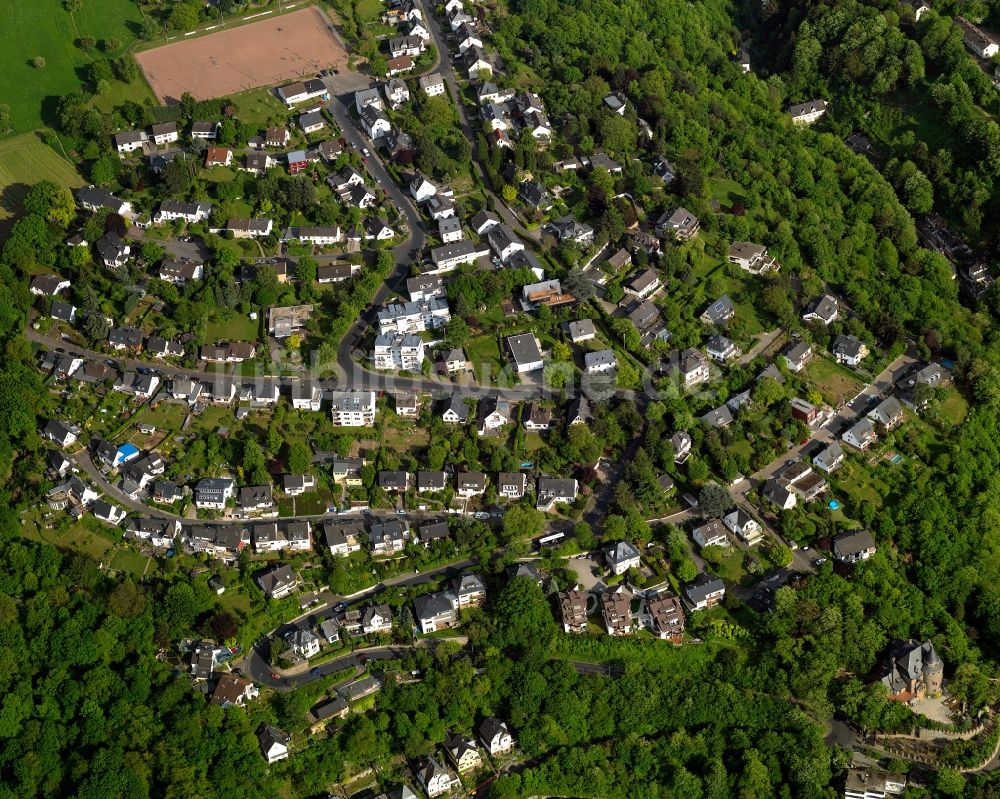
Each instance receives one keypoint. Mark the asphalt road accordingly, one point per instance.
(447, 70)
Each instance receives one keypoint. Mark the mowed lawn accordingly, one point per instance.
(44, 28)
(24, 161)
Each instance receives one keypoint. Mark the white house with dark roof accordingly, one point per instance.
(553, 490)
(807, 113)
(825, 309)
(525, 352)
(621, 556)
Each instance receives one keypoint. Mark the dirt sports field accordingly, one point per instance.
(260, 53)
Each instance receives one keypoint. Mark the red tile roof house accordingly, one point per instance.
(297, 161)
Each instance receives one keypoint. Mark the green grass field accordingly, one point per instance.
(833, 381)
(25, 160)
(44, 28)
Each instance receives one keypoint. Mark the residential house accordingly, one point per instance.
(861, 435)
(553, 490)
(492, 413)
(267, 538)
(664, 170)
(779, 495)
(722, 349)
(393, 481)
(744, 525)
(171, 210)
(425, 287)
(62, 311)
(807, 113)
(621, 556)
(303, 643)
(663, 615)
(462, 752)
(454, 361)
(302, 91)
(484, 221)
(537, 417)
(277, 137)
(525, 352)
(752, 258)
(888, 414)
(854, 546)
(212, 493)
(273, 743)
(469, 590)
(414, 317)
(181, 272)
(388, 537)
(92, 198)
(616, 611)
(450, 256)
(450, 230)
(311, 122)
(704, 592)
(645, 284)
(582, 330)
(218, 156)
(867, 782)
(435, 611)
(407, 404)
(470, 484)
(429, 533)
(679, 224)
(578, 411)
(719, 312)
(797, 356)
(711, 533)
(376, 619)
(352, 408)
(849, 350)
(977, 40)
(230, 352)
(691, 366)
(257, 163)
(233, 691)
(306, 396)
(512, 485)
(456, 410)
(278, 581)
(113, 250)
(106, 512)
(48, 285)
(130, 140)
(297, 161)
(825, 309)
(573, 610)
(503, 242)
(719, 418)
(435, 778)
(599, 362)
(830, 458)
(567, 228)
(205, 130)
(343, 536)
(295, 485)
(375, 123)
(432, 85)
(406, 45)
(399, 65)
(396, 92)
(681, 442)
(495, 737)
(250, 228)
